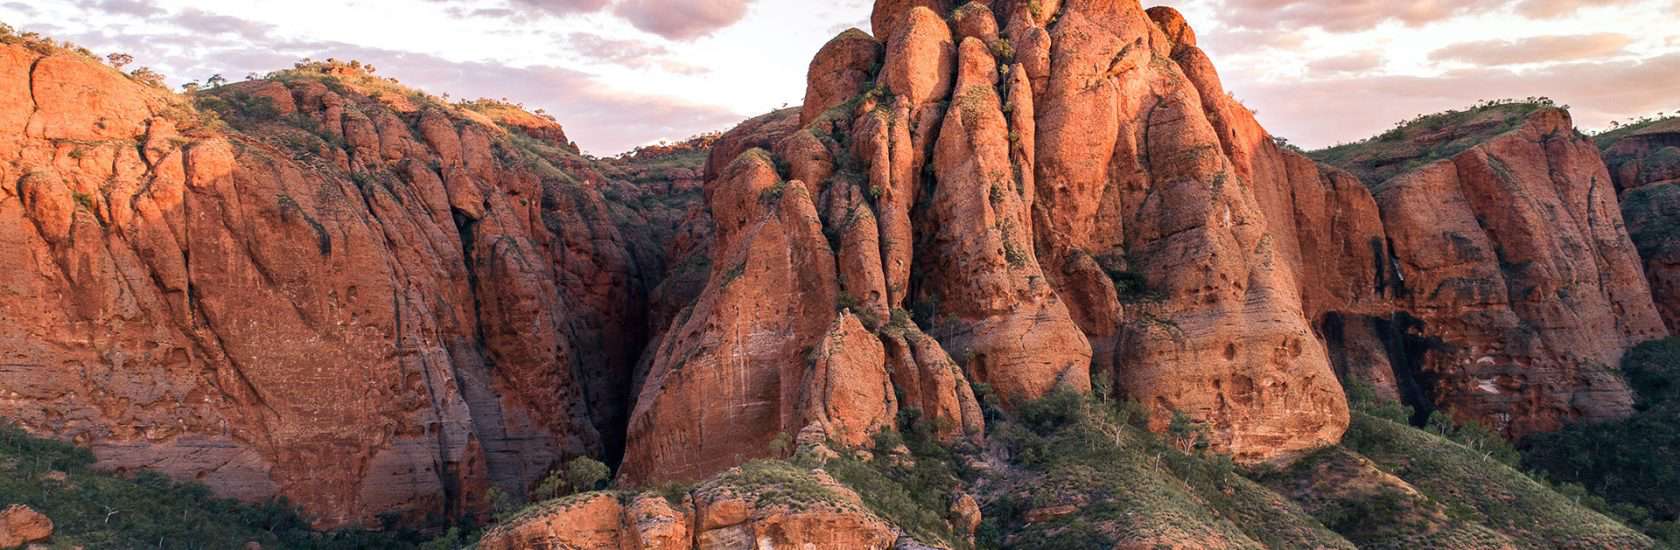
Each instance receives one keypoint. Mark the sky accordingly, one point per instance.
(623, 73)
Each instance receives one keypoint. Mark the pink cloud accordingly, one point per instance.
(1352, 63)
(1357, 15)
(1534, 50)
(684, 20)
(1316, 113)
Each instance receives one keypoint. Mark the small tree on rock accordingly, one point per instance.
(119, 60)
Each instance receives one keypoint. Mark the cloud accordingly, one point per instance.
(1344, 15)
(684, 20)
(564, 7)
(621, 51)
(1548, 9)
(1322, 112)
(138, 8)
(199, 21)
(1353, 63)
(1533, 50)
(1340, 16)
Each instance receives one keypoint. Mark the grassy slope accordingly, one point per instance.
(1475, 487)
(1423, 140)
(1128, 486)
(100, 510)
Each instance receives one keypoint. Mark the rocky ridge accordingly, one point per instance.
(324, 286)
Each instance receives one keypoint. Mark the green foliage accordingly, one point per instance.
(147, 510)
(580, 475)
(734, 273)
(780, 445)
(778, 483)
(1632, 464)
(1418, 141)
(1475, 436)
(773, 194)
(1129, 486)
(1476, 487)
(915, 494)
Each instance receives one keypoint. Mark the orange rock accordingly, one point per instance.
(839, 71)
(1513, 254)
(1140, 178)
(727, 379)
(847, 389)
(919, 60)
(933, 384)
(785, 508)
(20, 525)
(994, 310)
(274, 324)
(889, 16)
(595, 520)
(974, 20)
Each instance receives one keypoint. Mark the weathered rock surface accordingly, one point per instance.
(1645, 164)
(727, 378)
(366, 307)
(757, 506)
(1645, 156)
(608, 521)
(1164, 216)
(841, 70)
(1514, 258)
(20, 525)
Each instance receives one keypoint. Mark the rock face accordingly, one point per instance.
(369, 301)
(756, 506)
(20, 525)
(366, 307)
(1645, 164)
(1164, 215)
(727, 377)
(1512, 258)
(597, 520)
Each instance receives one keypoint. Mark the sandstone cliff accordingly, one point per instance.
(1514, 283)
(318, 285)
(325, 286)
(1645, 162)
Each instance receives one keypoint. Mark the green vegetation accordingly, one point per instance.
(1623, 128)
(1631, 465)
(1653, 214)
(1419, 141)
(99, 510)
(913, 494)
(1472, 479)
(581, 474)
(778, 483)
(1117, 484)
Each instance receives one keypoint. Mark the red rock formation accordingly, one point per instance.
(1646, 155)
(758, 506)
(727, 377)
(1645, 164)
(20, 525)
(597, 520)
(1155, 179)
(361, 308)
(1513, 256)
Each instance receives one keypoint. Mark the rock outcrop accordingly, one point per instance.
(367, 305)
(1645, 163)
(326, 287)
(1517, 277)
(21, 525)
(760, 505)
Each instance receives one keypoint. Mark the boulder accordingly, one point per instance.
(21, 525)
